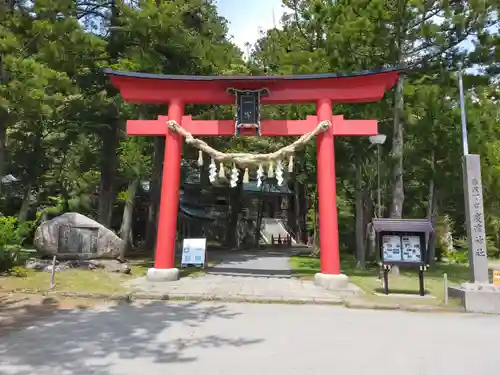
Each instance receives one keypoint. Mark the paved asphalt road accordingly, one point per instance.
(239, 339)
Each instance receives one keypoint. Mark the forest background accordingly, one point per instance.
(62, 126)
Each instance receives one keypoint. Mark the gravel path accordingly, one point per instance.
(260, 263)
(258, 276)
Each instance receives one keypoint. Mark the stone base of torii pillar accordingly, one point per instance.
(162, 274)
(331, 282)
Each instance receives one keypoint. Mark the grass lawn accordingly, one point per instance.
(407, 283)
(84, 281)
(96, 281)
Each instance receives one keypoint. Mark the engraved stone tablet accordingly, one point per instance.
(478, 260)
(81, 240)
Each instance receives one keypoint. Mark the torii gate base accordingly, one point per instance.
(322, 89)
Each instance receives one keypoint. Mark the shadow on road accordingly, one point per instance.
(82, 342)
(18, 310)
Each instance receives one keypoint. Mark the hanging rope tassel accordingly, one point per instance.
(246, 177)
(200, 158)
(222, 173)
(290, 164)
(270, 171)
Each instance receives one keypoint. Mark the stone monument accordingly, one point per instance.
(479, 295)
(75, 236)
(474, 208)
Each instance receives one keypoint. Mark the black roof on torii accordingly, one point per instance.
(297, 77)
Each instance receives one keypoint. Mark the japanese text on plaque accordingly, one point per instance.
(478, 233)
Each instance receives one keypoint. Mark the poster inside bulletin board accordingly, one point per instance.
(194, 252)
(411, 249)
(391, 248)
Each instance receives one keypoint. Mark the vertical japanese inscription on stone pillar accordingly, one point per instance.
(478, 260)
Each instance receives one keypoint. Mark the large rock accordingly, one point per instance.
(79, 238)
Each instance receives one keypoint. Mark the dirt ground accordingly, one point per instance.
(20, 310)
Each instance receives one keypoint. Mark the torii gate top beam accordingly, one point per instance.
(361, 87)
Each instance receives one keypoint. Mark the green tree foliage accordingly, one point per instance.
(62, 125)
(421, 171)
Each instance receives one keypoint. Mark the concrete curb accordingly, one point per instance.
(140, 296)
(410, 308)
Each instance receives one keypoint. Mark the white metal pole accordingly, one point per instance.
(379, 200)
(465, 142)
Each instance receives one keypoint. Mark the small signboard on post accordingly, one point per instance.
(194, 252)
(402, 243)
(496, 277)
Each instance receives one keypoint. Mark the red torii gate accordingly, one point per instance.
(322, 89)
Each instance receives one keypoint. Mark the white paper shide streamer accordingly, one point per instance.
(233, 182)
(279, 173)
(212, 171)
(273, 161)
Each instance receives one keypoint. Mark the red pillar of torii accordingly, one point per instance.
(322, 89)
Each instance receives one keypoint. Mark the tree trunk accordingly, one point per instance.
(8, 6)
(204, 173)
(110, 136)
(431, 215)
(433, 239)
(316, 219)
(109, 165)
(368, 214)
(296, 206)
(360, 237)
(128, 210)
(25, 205)
(3, 134)
(234, 209)
(260, 214)
(304, 205)
(397, 154)
(397, 158)
(154, 192)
